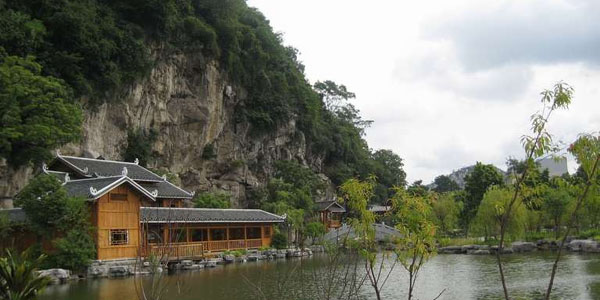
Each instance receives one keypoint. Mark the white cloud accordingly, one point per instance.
(449, 83)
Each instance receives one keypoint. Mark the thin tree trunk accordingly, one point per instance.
(569, 226)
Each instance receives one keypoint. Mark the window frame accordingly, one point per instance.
(114, 242)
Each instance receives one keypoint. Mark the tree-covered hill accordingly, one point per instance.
(95, 48)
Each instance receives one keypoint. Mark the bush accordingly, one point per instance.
(212, 200)
(208, 152)
(279, 241)
(590, 233)
(74, 251)
(139, 145)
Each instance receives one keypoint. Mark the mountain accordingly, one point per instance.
(202, 90)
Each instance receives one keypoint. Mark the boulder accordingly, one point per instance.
(451, 250)
(523, 246)
(229, 258)
(583, 246)
(56, 276)
(478, 252)
(466, 248)
(118, 271)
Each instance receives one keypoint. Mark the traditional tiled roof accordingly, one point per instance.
(206, 215)
(331, 206)
(380, 208)
(104, 168)
(14, 215)
(167, 190)
(61, 176)
(94, 188)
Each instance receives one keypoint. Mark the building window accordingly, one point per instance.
(199, 234)
(267, 232)
(118, 197)
(218, 234)
(253, 233)
(119, 237)
(236, 233)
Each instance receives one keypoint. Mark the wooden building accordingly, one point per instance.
(330, 214)
(136, 212)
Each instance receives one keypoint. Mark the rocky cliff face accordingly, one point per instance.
(190, 103)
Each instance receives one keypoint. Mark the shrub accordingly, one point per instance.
(279, 241)
(212, 200)
(139, 145)
(75, 250)
(208, 152)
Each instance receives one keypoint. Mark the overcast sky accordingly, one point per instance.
(449, 83)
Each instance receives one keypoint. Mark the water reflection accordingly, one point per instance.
(461, 276)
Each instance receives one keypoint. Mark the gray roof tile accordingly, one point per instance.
(166, 190)
(107, 168)
(206, 215)
(81, 188)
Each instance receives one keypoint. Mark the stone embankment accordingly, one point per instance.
(129, 267)
(587, 246)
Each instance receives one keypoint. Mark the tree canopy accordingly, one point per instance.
(37, 114)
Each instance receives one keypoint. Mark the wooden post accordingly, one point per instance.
(245, 238)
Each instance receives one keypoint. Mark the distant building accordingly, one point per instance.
(554, 167)
(330, 213)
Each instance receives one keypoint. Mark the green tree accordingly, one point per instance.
(212, 200)
(416, 244)
(315, 230)
(357, 195)
(51, 213)
(477, 182)
(491, 211)
(444, 183)
(417, 189)
(446, 211)
(38, 113)
(279, 241)
(587, 153)
(75, 250)
(555, 205)
(18, 276)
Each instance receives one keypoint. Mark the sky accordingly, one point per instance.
(450, 83)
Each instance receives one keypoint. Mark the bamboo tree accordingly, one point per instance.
(537, 145)
(587, 153)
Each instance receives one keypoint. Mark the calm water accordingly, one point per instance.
(463, 277)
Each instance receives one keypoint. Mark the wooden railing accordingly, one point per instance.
(187, 250)
(178, 250)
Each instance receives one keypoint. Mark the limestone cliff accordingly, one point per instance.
(190, 102)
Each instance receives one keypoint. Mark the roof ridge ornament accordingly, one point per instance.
(67, 178)
(93, 191)
(124, 171)
(154, 193)
(85, 170)
(164, 177)
(58, 152)
(136, 161)
(45, 167)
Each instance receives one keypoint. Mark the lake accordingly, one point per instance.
(461, 276)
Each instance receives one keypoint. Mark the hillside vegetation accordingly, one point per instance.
(91, 49)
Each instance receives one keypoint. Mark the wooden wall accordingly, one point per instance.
(117, 214)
